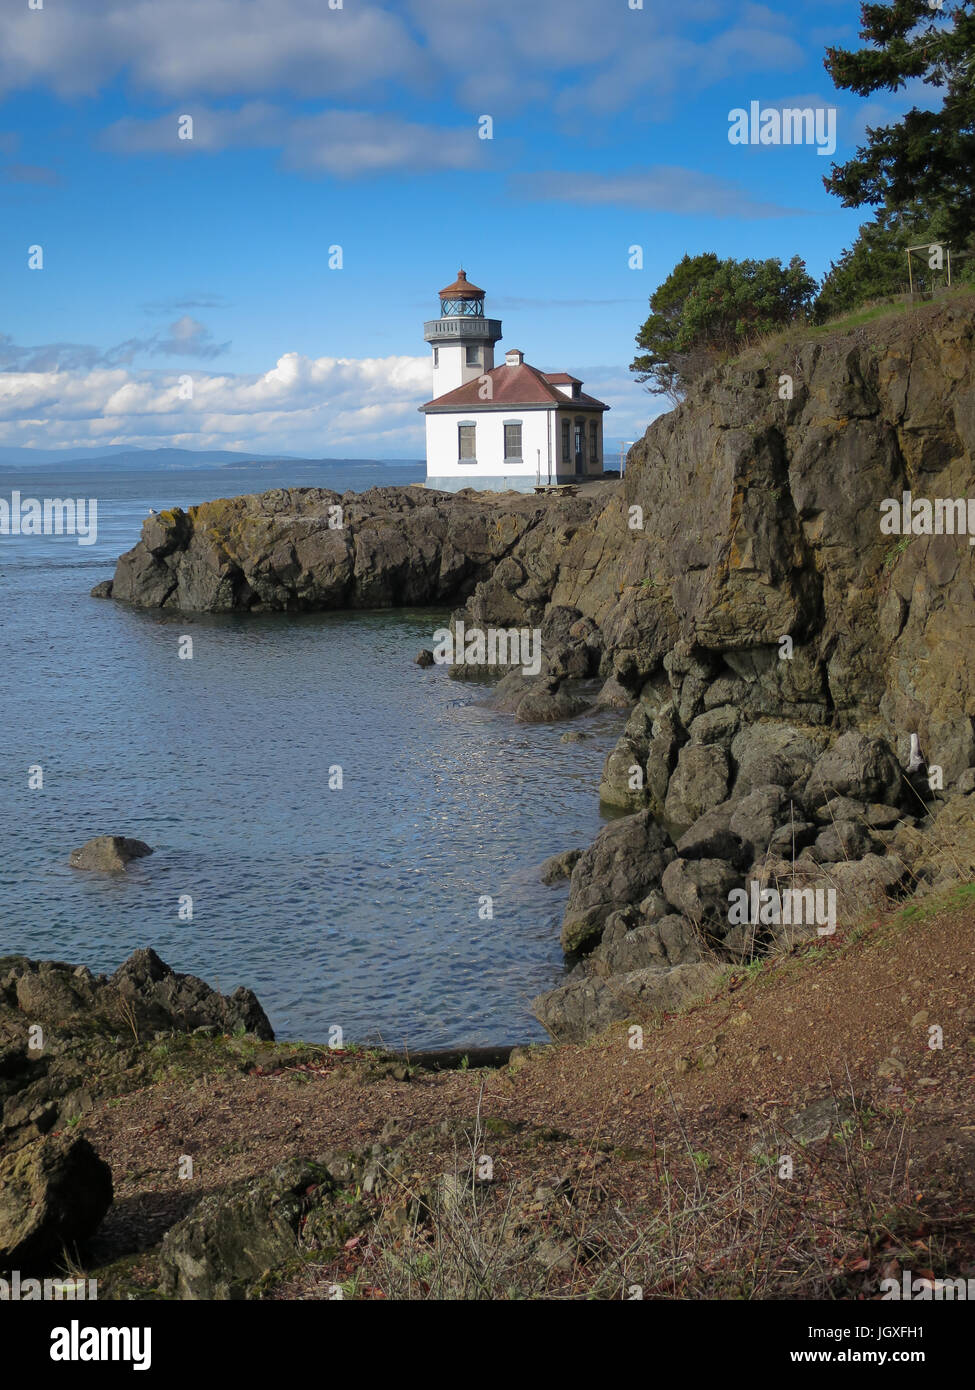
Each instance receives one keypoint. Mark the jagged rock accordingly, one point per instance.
(793, 838)
(545, 705)
(163, 999)
(144, 991)
(618, 924)
(691, 669)
(560, 865)
(583, 1007)
(53, 1195)
(966, 782)
(843, 808)
(854, 888)
(537, 699)
(698, 784)
(425, 657)
(845, 839)
(856, 766)
(757, 816)
(670, 940)
(103, 589)
(699, 889)
(623, 781)
(717, 725)
(612, 695)
(622, 865)
(396, 545)
(770, 753)
(712, 838)
(571, 644)
(231, 1239)
(108, 854)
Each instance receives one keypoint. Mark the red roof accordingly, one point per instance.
(562, 379)
(462, 289)
(521, 385)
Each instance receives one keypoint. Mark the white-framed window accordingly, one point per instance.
(467, 442)
(512, 440)
(436, 357)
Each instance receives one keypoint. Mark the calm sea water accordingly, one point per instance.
(361, 907)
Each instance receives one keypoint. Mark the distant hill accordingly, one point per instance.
(165, 459)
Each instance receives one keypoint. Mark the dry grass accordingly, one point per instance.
(757, 1228)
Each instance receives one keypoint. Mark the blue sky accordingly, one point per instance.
(167, 259)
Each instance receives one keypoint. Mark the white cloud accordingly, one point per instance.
(346, 143)
(313, 406)
(587, 55)
(210, 46)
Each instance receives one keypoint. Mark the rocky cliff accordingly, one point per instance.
(778, 648)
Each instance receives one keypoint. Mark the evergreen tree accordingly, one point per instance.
(925, 155)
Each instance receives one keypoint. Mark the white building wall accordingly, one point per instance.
(443, 448)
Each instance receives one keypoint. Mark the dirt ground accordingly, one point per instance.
(657, 1163)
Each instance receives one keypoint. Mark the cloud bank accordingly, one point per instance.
(72, 396)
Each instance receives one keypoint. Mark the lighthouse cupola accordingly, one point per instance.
(462, 338)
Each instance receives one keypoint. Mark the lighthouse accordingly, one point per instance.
(463, 339)
(505, 427)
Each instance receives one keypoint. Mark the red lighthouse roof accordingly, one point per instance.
(462, 289)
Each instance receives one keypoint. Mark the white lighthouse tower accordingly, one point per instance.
(463, 339)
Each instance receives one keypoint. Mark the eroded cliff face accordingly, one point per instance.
(761, 520)
(776, 648)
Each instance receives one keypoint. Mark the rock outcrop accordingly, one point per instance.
(230, 1240)
(67, 1039)
(301, 549)
(108, 854)
(64, 1032)
(53, 1195)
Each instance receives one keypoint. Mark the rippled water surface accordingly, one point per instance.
(361, 907)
